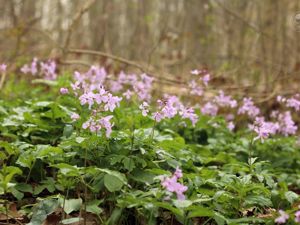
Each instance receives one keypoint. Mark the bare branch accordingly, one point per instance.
(75, 21)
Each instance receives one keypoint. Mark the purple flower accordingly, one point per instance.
(145, 108)
(190, 114)
(128, 94)
(32, 69)
(225, 101)
(87, 98)
(105, 122)
(230, 126)
(195, 72)
(286, 124)
(282, 218)
(206, 79)
(195, 89)
(209, 109)
(64, 91)
(48, 70)
(3, 68)
(280, 98)
(293, 103)
(172, 185)
(112, 102)
(263, 129)
(157, 116)
(248, 108)
(75, 116)
(178, 173)
(297, 216)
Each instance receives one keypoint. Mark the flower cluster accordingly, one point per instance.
(170, 107)
(46, 69)
(95, 124)
(196, 86)
(283, 217)
(248, 108)
(171, 184)
(141, 85)
(286, 124)
(129, 83)
(263, 129)
(223, 100)
(88, 87)
(292, 102)
(210, 109)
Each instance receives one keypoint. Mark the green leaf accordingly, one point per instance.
(93, 207)
(200, 211)
(182, 203)
(112, 183)
(71, 220)
(72, 205)
(254, 200)
(129, 164)
(68, 130)
(42, 210)
(17, 194)
(291, 196)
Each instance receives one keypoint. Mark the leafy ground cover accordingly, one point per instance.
(93, 148)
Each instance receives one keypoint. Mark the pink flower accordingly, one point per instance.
(286, 124)
(195, 72)
(32, 69)
(3, 67)
(75, 116)
(145, 108)
(171, 184)
(48, 70)
(206, 79)
(230, 126)
(282, 218)
(297, 216)
(195, 88)
(157, 116)
(248, 108)
(263, 129)
(209, 109)
(112, 102)
(105, 122)
(64, 91)
(190, 114)
(128, 94)
(293, 103)
(178, 173)
(225, 101)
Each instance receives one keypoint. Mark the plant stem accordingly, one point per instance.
(250, 155)
(64, 203)
(132, 137)
(152, 132)
(85, 187)
(28, 176)
(6, 209)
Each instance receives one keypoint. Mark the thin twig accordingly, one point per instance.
(75, 21)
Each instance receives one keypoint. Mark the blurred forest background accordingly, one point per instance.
(250, 46)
